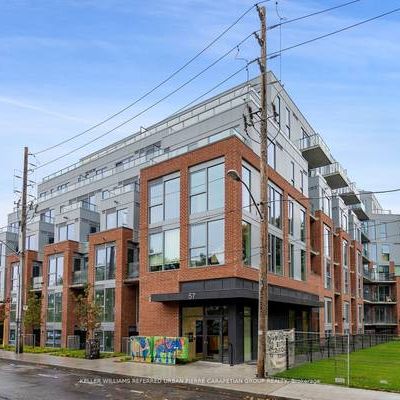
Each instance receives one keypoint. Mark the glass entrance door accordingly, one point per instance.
(213, 342)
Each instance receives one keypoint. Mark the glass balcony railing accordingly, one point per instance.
(132, 270)
(380, 297)
(80, 204)
(80, 277)
(37, 282)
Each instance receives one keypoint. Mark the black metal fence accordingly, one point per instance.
(311, 349)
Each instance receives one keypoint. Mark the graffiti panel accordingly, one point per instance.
(168, 349)
(142, 348)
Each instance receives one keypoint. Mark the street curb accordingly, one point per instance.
(186, 386)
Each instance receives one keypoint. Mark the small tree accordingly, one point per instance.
(87, 312)
(33, 315)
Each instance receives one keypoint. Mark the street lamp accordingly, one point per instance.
(262, 282)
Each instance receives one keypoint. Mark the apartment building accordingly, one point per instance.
(171, 244)
(381, 267)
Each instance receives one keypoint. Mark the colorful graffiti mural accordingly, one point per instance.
(159, 349)
(168, 349)
(142, 348)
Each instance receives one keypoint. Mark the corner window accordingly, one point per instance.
(207, 189)
(66, 232)
(164, 249)
(116, 218)
(207, 243)
(164, 200)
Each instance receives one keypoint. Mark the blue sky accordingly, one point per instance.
(66, 64)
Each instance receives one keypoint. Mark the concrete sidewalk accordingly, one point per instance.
(238, 377)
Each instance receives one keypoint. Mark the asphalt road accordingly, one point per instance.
(26, 381)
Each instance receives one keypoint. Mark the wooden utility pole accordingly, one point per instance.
(19, 345)
(263, 273)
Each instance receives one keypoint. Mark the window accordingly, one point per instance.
(207, 189)
(246, 243)
(292, 175)
(385, 256)
(302, 175)
(56, 269)
(271, 153)
(360, 314)
(47, 216)
(66, 232)
(164, 248)
(13, 308)
(15, 277)
(302, 225)
(105, 298)
(346, 312)
(291, 260)
(207, 243)
(327, 257)
(276, 109)
(345, 221)
(105, 262)
(288, 122)
(326, 205)
(106, 339)
(383, 230)
(303, 261)
(346, 267)
(275, 254)
(328, 310)
(274, 206)
(54, 307)
(290, 217)
(53, 338)
(246, 198)
(164, 200)
(116, 218)
(328, 273)
(327, 242)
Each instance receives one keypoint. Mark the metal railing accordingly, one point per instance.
(313, 141)
(380, 297)
(316, 348)
(80, 204)
(37, 282)
(334, 168)
(380, 276)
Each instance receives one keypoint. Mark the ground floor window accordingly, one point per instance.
(106, 339)
(53, 338)
(12, 336)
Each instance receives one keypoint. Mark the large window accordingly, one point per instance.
(246, 242)
(246, 198)
(105, 298)
(207, 243)
(164, 250)
(54, 307)
(288, 122)
(327, 257)
(164, 200)
(346, 312)
(326, 204)
(291, 260)
(106, 339)
(207, 189)
(328, 273)
(32, 242)
(116, 218)
(385, 256)
(274, 206)
(53, 338)
(275, 254)
(271, 153)
(56, 270)
(13, 308)
(15, 277)
(303, 265)
(346, 272)
(105, 262)
(327, 242)
(66, 232)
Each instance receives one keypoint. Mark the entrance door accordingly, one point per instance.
(213, 339)
(199, 338)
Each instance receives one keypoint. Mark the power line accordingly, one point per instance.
(278, 53)
(164, 81)
(311, 15)
(149, 107)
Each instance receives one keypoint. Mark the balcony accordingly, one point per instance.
(383, 277)
(315, 151)
(349, 194)
(380, 298)
(37, 282)
(364, 233)
(132, 272)
(359, 210)
(335, 176)
(380, 320)
(79, 278)
(80, 204)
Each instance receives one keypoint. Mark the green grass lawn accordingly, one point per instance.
(61, 352)
(374, 368)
